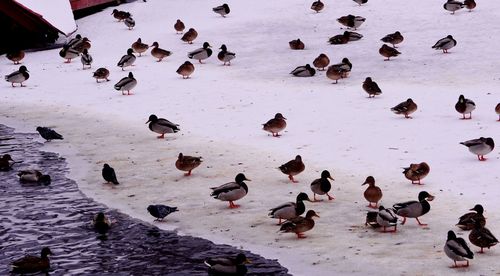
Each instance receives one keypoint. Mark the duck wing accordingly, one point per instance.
(167, 123)
(225, 188)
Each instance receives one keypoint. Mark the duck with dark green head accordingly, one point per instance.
(33, 264)
(227, 265)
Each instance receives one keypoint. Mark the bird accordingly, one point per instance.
(120, 15)
(139, 47)
(321, 62)
(49, 134)
(388, 52)
(445, 44)
(33, 264)
(371, 88)
(353, 36)
(414, 209)
(185, 70)
(394, 38)
(159, 53)
(293, 167)
(373, 193)
(179, 26)
(81, 45)
(126, 84)
(101, 223)
(189, 36)
(74, 40)
(322, 185)
(129, 22)
(290, 210)
(351, 21)
(339, 39)
(101, 73)
(497, 110)
(482, 237)
(416, 172)
(304, 71)
(86, 59)
(15, 56)
(231, 191)
(18, 76)
(453, 6)
(201, 53)
(468, 220)
(275, 125)
(406, 108)
(68, 53)
(335, 73)
(225, 56)
(127, 60)
(34, 176)
(457, 250)
(317, 6)
(160, 211)
(296, 44)
(299, 225)
(187, 163)
(344, 68)
(359, 2)
(371, 219)
(109, 175)
(387, 218)
(227, 265)
(465, 106)
(222, 10)
(480, 146)
(470, 4)
(161, 126)
(5, 162)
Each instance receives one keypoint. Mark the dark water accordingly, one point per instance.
(59, 215)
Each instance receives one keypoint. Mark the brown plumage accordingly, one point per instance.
(371, 87)
(334, 73)
(275, 125)
(405, 108)
(293, 167)
(372, 193)
(33, 264)
(120, 15)
(159, 53)
(185, 70)
(299, 225)
(468, 220)
(497, 110)
(416, 172)
(388, 52)
(393, 39)
(187, 163)
(139, 47)
(81, 45)
(317, 6)
(15, 56)
(296, 44)
(101, 73)
(481, 236)
(189, 36)
(179, 26)
(470, 4)
(321, 62)
(340, 39)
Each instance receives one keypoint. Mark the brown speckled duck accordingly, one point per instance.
(187, 163)
(179, 26)
(275, 125)
(159, 53)
(6, 162)
(299, 225)
(468, 220)
(120, 15)
(351, 21)
(321, 62)
(293, 167)
(339, 39)
(394, 38)
(371, 88)
(388, 52)
(470, 4)
(185, 70)
(296, 44)
(190, 36)
(372, 194)
(481, 236)
(416, 172)
(322, 186)
(101, 74)
(317, 6)
(33, 264)
(139, 47)
(405, 108)
(335, 73)
(15, 56)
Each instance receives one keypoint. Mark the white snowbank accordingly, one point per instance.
(56, 12)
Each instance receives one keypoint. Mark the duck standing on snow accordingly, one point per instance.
(161, 126)
(481, 236)
(497, 110)
(322, 185)
(201, 53)
(227, 265)
(86, 59)
(317, 6)
(101, 223)
(275, 125)
(126, 84)
(231, 191)
(34, 176)
(127, 60)
(343, 69)
(187, 163)
(101, 73)
(414, 209)
(388, 52)
(304, 71)
(222, 10)
(468, 220)
(371, 219)
(15, 56)
(290, 210)
(139, 47)
(371, 88)
(351, 21)
(394, 38)
(453, 6)
(299, 225)
(416, 172)
(159, 53)
(465, 106)
(179, 26)
(129, 22)
(372, 193)
(160, 211)
(120, 15)
(293, 167)
(321, 62)
(387, 218)
(480, 147)
(189, 36)
(457, 250)
(360, 2)
(109, 175)
(296, 44)
(406, 108)
(18, 76)
(185, 70)
(33, 264)
(225, 56)
(470, 4)
(49, 134)
(445, 44)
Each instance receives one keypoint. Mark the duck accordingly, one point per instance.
(353, 36)
(457, 250)
(497, 110)
(335, 73)
(275, 125)
(453, 6)
(189, 36)
(231, 191)
(15, 56)
(416, 172)
(322, 185)
(81, 45)
(86, 59)
(225, 56)
(161, 126)
(49, 134)
(371, 88)
(187, 163)
(445, 44)
(387, 218)
(373, 193)
(185, 70)
(101, 223)
(126, 84)
(317, 6)
(101, 73)
(303, 71)
(321, 62)
(179, 26)
(139, 47)
(109, 175)
(296, 44)
(406, 108)
(360, 2)
(480, 146)
(159, 53)
(351, 21)
(127, 60)
(345, 67)
(227, 265)
(222, 10)
(34, 176)
(120, 15)
(160, 211)
(371, 219)
(394, 38)
(339, 39)
(482, 237)
(74, 40)
(414, 209)
(290, 210)
(201, 53)
(18, 76)
(6, 162)
(465, 106)
(33, 264)
(388, 52)
(470, 4)
(129, 22)
(293, 167)
(468, 220)
(299, 225)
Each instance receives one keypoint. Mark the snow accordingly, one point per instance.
(335, 127)
(58, 13)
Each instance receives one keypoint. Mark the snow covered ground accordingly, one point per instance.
(335, 127)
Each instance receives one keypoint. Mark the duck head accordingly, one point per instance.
(23, 69)
(100, 216)
(298, 158)
(240, 178)
(152, 118)
(311, 214)
(242, 259)
(45, 252)
(155, 44)
(425, 195)
(206, 45)
(478, 208)
(326, 174)
(451, 235)
(369, 180)
(279, 116)
(302, 197)
(130, 51)
(368, 80)
(223, 47)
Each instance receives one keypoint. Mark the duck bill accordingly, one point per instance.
(316, 215)
(248, 179)
(430, 198)
(247, 261)
(148, 121)
(364, 183)
(331, 178)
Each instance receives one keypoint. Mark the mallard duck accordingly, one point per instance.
(222, 10)
(290, 210)
(416, 172)
(159, 53)
(34, 176)
(129, 22)
(139, 47)
(185, 70)
(388, 52)
(6, 162)
(371, 219)
(33, 264)
(339, 39)
(81, 45)
(120, 15)
(86, 59)
(497, 110)
(470, 4)
(334, 72)
(179, 26)
(189, 36)
(317, 6)
(126, 84)
(322, 185)
(231, 191)
(101, 73)
(387, 218)
(225, 56)
(321, 62)
(201, 53)
(453, 6)
(299, 225)
(227, 265)
(414, 209)
(445, 44)
(481, 236)
(344, 68)
(304, 71)
(351, 21)
(293, 167)
(160, 211)
(49, 134)
(296, 44)
(18, 76)
(371, 88)
(74, 40)
(468, 220)
(354, 36)
(127, 60)
(480, 147)
(393, 39)
(360, 2)
(465, 106)
(15, 56)
(275, 125)
(187, 163)
(101, 223)
(161, 126)
(109, 175)
(406, 108)
(456, 249)
(372, 193)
